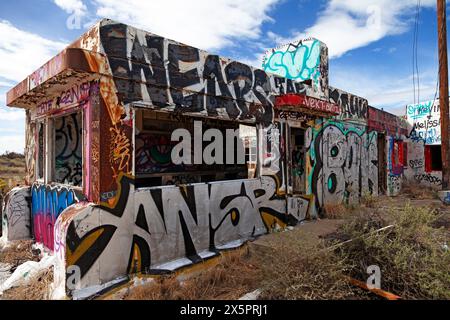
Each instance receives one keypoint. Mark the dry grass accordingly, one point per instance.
(412, 256)
(308, 272)
(291, 271)
(36, 289)
(415, 191)
(19, 252)
(234, 276)
(368, 200)
(334, 211)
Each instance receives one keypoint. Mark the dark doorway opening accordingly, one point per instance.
(297, 160)
(433, 158)
(382, 163)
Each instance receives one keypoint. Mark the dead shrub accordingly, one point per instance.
(335, 211)
(412, 256)
(298, 271)
(418, 191)
(19, 252)
(37, 289)
(234, 276)
(368, 199)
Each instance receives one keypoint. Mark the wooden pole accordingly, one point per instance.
(443, 91)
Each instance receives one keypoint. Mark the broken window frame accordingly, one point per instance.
(139, 127)
(49, 147)
(52, 159)
(40, 150)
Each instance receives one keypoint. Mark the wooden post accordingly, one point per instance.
(443, 91)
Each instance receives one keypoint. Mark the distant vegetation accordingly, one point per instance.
(12, 170)
(12, 155)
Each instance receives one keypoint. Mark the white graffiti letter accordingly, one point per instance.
(181, 153)
(215, 146)
(74, 280)
(374, 280)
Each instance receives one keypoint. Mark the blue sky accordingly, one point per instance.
(369, 41)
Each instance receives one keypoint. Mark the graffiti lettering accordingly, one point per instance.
(198, 82)
(47, 204)
(428, 178)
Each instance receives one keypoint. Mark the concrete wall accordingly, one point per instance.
(16, 214)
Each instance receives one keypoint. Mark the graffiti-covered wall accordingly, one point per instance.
(393, 131)
(301, 61)
(16, 214)
(341, 162)
(353, 108)
(424, 136)
(424, 119)
(47, 203)
(154, 70)
(165, 228)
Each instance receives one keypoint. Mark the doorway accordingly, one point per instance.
(382, 163)
(297, 153)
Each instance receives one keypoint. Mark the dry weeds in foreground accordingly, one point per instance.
(235, 275)
(36, 289)
(19, 252)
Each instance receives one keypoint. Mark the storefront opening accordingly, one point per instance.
(154, 165)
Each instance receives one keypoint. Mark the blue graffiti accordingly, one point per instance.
(47, 203)
(420, 110)
(430, 136)
(299, 64)
(447, 198)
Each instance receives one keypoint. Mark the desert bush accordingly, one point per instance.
(233, 276)
(37, 289)
(368, 199)
(412, 255)
(336, 211)
(298, 271)
(13, 155)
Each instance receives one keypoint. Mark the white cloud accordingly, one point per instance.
(11, 115)
(384, 90)
(14, 143)
(255, 61)
(203, 23)
(345, 25)
(22, 52)
(72, 6)
(6, 84)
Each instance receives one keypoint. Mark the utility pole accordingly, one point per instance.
(443, 92)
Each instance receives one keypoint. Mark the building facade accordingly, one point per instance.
(103, 192)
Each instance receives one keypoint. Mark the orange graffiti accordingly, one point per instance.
(119, 151)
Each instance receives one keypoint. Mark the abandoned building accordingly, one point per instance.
(103, 194)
